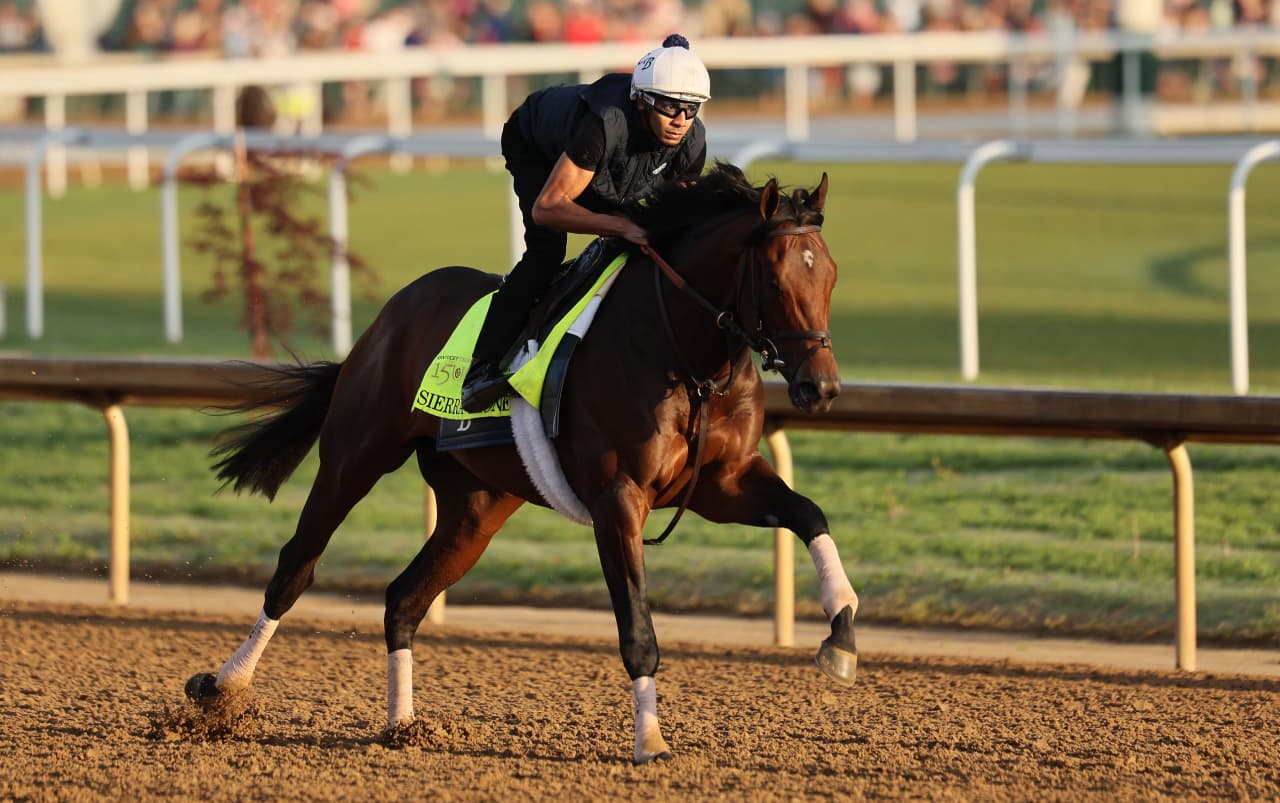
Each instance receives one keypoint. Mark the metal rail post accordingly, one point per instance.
(339, 230)
(119, 566)
(905, 128)
(967, 247)
(135, 122)
(34, 223)
(435, 613)
(796, 102)
(1184, 554)
(784, 561)
(169, 226)
(1236, 261)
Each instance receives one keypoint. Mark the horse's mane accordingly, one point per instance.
(678, 206)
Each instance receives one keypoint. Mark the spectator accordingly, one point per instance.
(17, 28)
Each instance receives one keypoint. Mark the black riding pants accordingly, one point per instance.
(544, 251)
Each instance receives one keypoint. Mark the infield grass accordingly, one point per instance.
(1089, 277)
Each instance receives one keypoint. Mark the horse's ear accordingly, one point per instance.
(769, 199)
(819, 197)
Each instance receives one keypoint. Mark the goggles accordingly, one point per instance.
(670, 107)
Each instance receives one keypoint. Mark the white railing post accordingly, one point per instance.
(904, 101)
(135, 122)
(55, 119)
(967, 247)
(1236, 256)
(170, 258)
(339, 231)
(494, 105)
(797, 102)
(400, 119)
(35, 224)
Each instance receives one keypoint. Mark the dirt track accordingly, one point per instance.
(92, 707)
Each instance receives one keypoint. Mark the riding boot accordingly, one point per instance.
(486, 382)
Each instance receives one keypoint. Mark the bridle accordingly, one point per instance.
(761, 341)
(764, 342)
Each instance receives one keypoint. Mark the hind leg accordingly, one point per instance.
(339, 485)
(470, 513)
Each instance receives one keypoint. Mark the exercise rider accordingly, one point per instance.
(576, 155)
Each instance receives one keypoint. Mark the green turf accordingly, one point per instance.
(1098, 277)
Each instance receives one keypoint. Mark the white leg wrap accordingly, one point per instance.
(649, 741)
(237, 672)
(399, 687)
(836, 589)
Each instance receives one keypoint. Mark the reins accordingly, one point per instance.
(763, 344)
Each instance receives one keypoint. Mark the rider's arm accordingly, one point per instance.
(556, 206)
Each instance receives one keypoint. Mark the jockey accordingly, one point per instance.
(577, 154)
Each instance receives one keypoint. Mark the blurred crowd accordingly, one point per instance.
(237, 28)
(273, 28)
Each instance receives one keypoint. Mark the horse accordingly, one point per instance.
(662, 407)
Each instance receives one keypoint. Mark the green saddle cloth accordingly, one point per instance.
(440, 392)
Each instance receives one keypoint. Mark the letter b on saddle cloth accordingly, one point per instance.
(541, 357)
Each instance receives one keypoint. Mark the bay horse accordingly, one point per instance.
(662, 407)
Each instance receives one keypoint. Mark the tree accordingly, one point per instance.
(280, 273)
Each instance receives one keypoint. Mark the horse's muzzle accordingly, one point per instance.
(815, 394)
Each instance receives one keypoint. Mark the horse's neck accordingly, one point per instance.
(711, 265)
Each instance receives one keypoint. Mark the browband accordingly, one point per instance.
(806, 229)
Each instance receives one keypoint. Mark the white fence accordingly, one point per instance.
(1066, 53)
(1243, 154)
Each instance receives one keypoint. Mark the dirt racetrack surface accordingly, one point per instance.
(93, 708)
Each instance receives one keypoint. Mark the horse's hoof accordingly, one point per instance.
(837, 663)
(663, 756)
(202, 688)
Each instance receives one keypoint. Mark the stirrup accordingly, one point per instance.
(480, 393)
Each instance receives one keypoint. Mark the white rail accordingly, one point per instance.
(1244, 154)
(1256, 155)
(794, 55)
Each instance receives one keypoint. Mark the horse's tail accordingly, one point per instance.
(262, 453)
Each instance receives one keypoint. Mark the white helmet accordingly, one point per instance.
(673, 71)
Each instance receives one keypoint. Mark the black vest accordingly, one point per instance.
(634, 163)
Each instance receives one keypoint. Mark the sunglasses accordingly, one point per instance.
(670, 107)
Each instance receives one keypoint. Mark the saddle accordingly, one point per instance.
(558, 322)
(566, 288)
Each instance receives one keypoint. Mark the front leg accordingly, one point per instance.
(619, 515)
(751, 492)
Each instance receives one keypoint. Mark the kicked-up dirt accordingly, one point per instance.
(92, 706)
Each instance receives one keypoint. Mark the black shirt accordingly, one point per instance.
(586, 147)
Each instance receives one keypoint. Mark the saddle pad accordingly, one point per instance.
(440, 392)
(472, 433)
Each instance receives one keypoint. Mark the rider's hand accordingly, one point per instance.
(633, 233)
